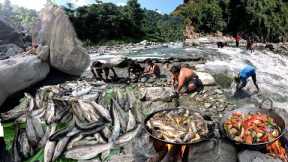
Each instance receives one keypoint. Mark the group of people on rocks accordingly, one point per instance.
(182, 76)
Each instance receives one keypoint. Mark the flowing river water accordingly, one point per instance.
(271, 68)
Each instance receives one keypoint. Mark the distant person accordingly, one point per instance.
(250, 45)
(135, 69)
(185, 77)
(270, 47)
(237, 39)
(151, 70)
(245, 73)
(97, 69)
(221, 44)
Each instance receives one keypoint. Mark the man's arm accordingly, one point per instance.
(180, 84)
(255, 81)
(93, 72)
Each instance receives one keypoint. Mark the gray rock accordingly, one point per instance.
(66, 51)
(20, 72)
(10, 50)
(213, 151)
(255, 156)
(9, 35)
(43, 53)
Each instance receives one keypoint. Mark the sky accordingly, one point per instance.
(163, 6)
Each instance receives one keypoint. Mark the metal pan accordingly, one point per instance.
(270, 112)
(207, 137)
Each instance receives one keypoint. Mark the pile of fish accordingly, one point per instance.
(68, 119)
(178, 126)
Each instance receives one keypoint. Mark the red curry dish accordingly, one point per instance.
(251, 128)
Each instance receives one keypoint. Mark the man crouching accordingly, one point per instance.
(185, 77)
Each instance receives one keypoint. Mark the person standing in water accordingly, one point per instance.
(244, 74)
(185, 77)
(237, 39)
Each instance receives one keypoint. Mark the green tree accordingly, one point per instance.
(134, 13)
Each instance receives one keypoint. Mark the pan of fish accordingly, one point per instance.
(177, 126)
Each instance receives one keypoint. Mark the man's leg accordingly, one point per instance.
(255, 81)
(241, 85)
(115, 75)
(106, 71)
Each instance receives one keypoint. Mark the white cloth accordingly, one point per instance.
(1, 131)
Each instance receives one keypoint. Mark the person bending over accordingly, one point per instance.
(245, 73)
(185, 77)
(97, 69)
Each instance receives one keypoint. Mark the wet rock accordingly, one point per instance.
(157, 93)
(66, 51)
(255, 156)
(19, 72)
(206, 78)
(213, 151)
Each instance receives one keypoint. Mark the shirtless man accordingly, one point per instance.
(185, 78)
(97, 69)
(151, 70)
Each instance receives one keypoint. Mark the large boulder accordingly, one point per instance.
(19, 72)
(66, 51)
(9, 35)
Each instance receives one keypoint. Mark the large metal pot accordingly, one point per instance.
(270, 112)
(207, 137)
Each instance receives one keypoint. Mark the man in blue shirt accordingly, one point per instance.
(244, 74)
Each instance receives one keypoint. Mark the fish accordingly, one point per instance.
(86, 153)
(21, 119)
(89, 126)
(81, 91)
(131, 121)
(31, 133)
(123, 116)
(50, 112)
(102, 111)
(59, 134)
(16, 112)
(31, 102)
(106, 133)
(88, 111)
(116, 125)
(26, 150)
(127, 136)
(60, 147)
(50, 146)
(180, 126)
(15, 147)
(44, 139)
(39, 131)
(74, 140)
(92, 131)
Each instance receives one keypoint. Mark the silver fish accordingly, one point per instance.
(15, 153)
(116, 125)
(128, 136)
(102, 111)
(50, 147)
(123, 116)
(26, 150)
(74, 140)
(17, 111)
(21, 119)
(60, 147)
(38, 127)
(31, 102)
(45, 138)
(131, 122)
(50, 112)
(86, 153)
(31, 133)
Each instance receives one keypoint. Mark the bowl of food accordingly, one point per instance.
(177, 126)
(253, 127)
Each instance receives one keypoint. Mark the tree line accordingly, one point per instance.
(261, 20)
(102, 22)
